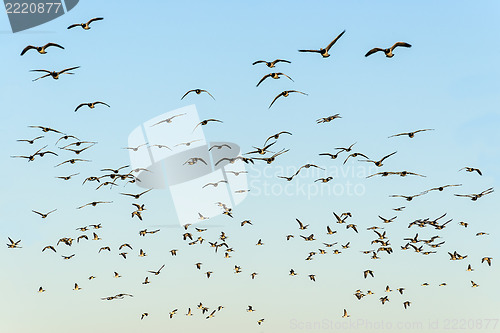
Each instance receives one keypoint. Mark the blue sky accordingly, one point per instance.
(143, 57)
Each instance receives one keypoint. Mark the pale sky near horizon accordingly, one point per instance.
(143, 57)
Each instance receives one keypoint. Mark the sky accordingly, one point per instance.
(143, 57)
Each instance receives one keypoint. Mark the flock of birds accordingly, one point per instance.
(72, 146)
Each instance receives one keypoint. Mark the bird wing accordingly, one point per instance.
(187, 93)
(383, 158)
(400, 44)
(372, 51)
(74, 25)
(316, 51)
(40, 70)
(275, 98)
(286, 76)
(209, 94)
(263, 78)
(79, 106)
(68, 69)
(296, 91)
(41, 77)
(53, 44)
(98, 102)
(27, 48)
(334, 41)
(399, 134)
(95, 19)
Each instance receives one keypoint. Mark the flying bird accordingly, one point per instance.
(379, 162)
(328, 119)
(53, 74)
(44, 215)
(474, 197)
(412, 134)
(206, 121)
(136, 196)
(32, 141)
(285, 93)
(45, 129)
(40, 49)
(94, 203)
(220, 146)
(274, 76)
(13, 245)
(324, 52)
(487, 259)
(276, 136)
(86, 25)
(469, 169)
(197, 91)
(271, 64)
(261, 151)
(168, 120)
(91, 105)
(194, 160)
(388, 52)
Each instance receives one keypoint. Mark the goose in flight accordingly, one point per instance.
(285, 93)
(30, 141)
(197, 91)
(474, 197)
(44, 215)
(136, 196)
(13, 245)
(328, 119)
(469, 169)
(379, 162)
(93, 204)
(86, 25)
(206, 121)
(31, 157)
(168, 120)
(487, 259)
(46, 129)
(441, 188)
(324, 52)
(412, 134)
(274, 76)
(388, 52)
(50, 247)
(270, 64)
(91, 105)
(40, 49)
(276, 136)
(53, 74)
(261, 151)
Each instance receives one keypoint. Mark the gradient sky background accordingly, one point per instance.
(145, 55)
